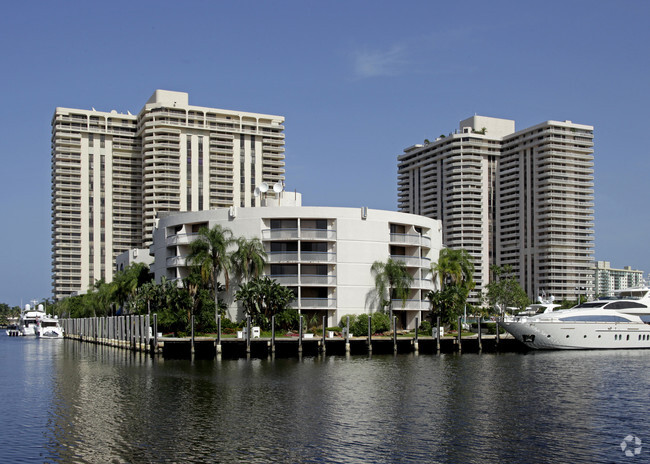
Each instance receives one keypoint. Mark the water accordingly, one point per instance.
(69, 402)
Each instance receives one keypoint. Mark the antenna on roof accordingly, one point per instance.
(278, 187)
(264, 187)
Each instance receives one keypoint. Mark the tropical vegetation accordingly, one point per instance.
(214, 254)
(379, 323)
(392, 281)
(455, 271)
(262, 298)
(504, 290)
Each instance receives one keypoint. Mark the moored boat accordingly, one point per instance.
(615, 322)
(49, 327)
(29, 319)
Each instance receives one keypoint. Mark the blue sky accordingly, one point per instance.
(358, 81)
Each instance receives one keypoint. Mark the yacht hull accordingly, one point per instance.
(557, 335)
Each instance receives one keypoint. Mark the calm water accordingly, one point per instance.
(70, 402)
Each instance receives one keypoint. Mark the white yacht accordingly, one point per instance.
(608, 323)
(29, 319)
(49, 327)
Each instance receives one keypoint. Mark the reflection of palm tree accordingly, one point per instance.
(392, 277)
(210, 253)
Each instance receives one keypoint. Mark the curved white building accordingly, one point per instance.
(323, 253)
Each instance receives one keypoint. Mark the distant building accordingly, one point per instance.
(112, 173)
(607, 279)
(324, 254)
(136, 255)
(520, 198)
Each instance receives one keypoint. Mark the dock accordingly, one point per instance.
(133, 333)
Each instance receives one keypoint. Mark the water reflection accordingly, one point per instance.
(82, 403)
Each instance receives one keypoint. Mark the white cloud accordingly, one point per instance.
(379, 63)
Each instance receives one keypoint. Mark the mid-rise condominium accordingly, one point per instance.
(112, 173)
(519, 198)
(608, 280)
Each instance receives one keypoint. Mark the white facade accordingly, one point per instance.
(112, 173)
(134, 256)
(523, 199)
(607, 280)
(324, 254)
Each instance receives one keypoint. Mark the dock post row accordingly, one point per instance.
(136, 333)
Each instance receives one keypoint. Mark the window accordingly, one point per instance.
(284, 269)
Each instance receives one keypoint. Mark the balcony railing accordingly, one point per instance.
(411, 239)
(319, 234)
(412, 260)
(315, 256)
(410, 305)
(285, 279)
(282, 256)
(308, 279)
(426, 284)
(176, 261)
(307, 234)
(279, 234)
(315, 303)
(181, 239)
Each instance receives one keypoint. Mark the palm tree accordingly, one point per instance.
(210, 253)
(392, 277)
(249, 258)
(263, 298)
(126, 284)
(454, 267)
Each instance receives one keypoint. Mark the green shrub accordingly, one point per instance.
(289, 319)
(227, 324)
(492, 328)
(380, 322)
(425, 327)
(359, 325)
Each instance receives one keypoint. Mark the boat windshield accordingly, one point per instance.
(632, 294)
(625, 305)
(592, 304)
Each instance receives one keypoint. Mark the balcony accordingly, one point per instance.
(426, 284)
(417, 305)
(411, 239)
(315, 303)
(317, 234)
(279, 234)
(282, 256)
(176, 261)
(286, 280)
(308, 279)
(180, 239)
(412, 261)
(317, 256)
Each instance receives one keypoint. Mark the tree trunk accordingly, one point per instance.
(216, 299)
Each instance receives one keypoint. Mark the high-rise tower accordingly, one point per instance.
(523, 199)
(112, 173)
